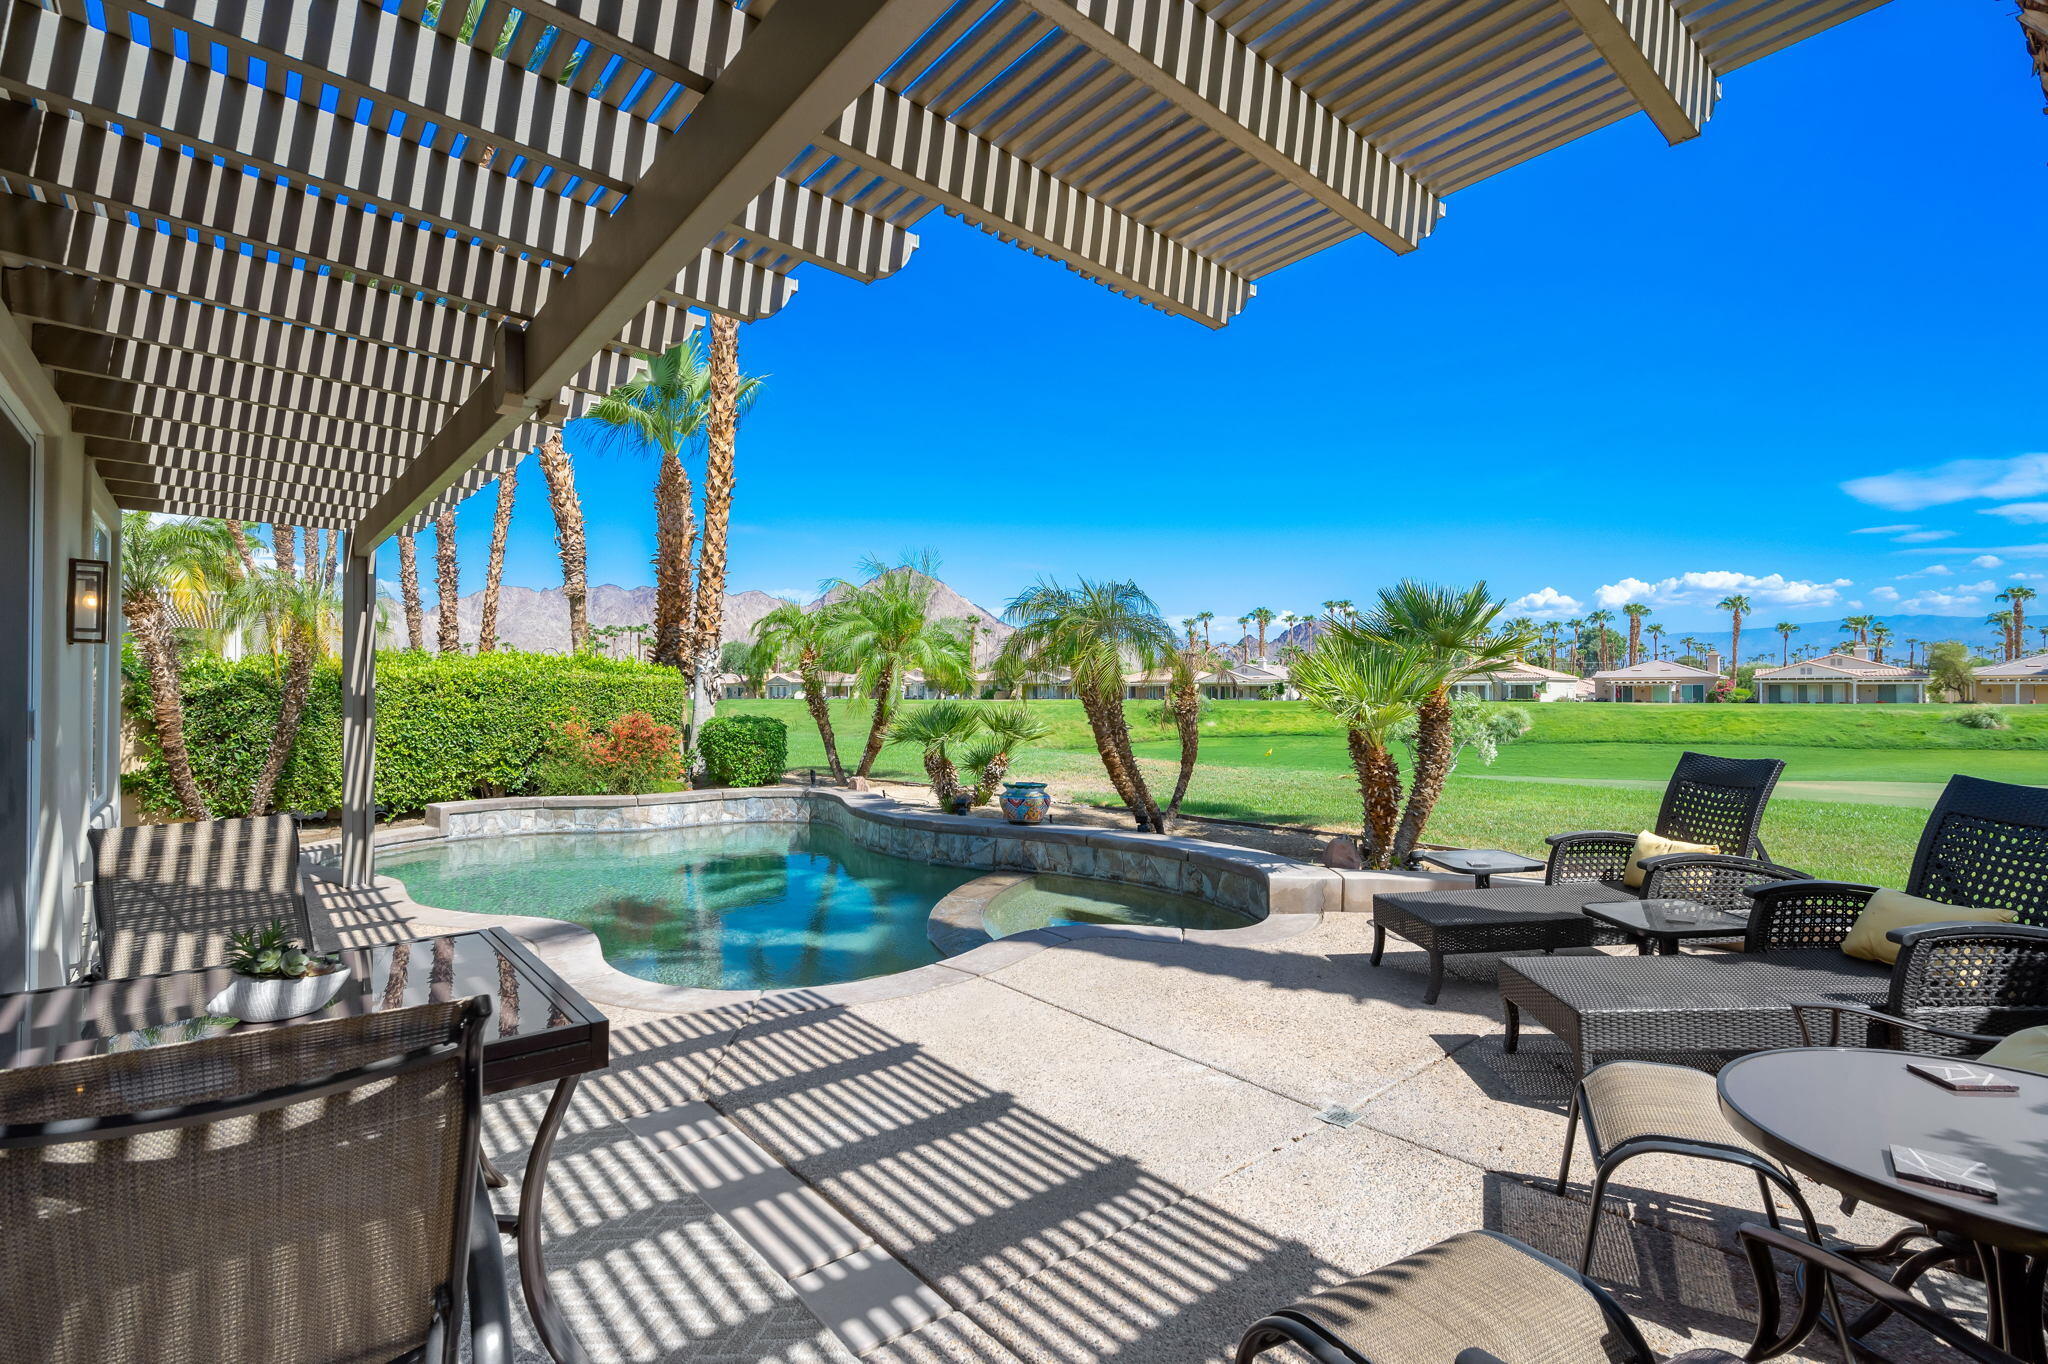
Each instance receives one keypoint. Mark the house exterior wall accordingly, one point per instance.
(75, 688)
(2010, 693)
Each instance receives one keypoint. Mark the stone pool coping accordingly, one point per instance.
(1279, 896)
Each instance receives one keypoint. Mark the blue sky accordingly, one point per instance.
(1623, 366)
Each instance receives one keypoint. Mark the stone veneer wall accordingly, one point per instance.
(1253, 883)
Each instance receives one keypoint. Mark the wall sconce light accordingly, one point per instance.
(85, 616)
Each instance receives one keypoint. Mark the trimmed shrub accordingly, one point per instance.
(449, 726)
(744, 750)
(635, 754)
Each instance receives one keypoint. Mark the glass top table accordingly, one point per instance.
(1660, 925)
(540, 1031)
(1481, 864)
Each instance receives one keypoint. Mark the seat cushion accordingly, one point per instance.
(1890, 909)
(1656, 845)
(1628, 1100)
(2026, 1049)
(1498, 904)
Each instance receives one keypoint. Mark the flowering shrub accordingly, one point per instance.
(631, 756)
(1726, 690)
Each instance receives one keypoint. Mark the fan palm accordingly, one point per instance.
(1786, 629)
(1449, 631)
(1097, 631)
(1635, 611)
(569, 542)
(1880, 635)
(1656, 633)
(494, 563)
(1005, 729)
(797, 639)
(1578, 627)
(1371, 687)
(171, 568)
(1599, 621)
(883, 628)
(937, 728)
(1737, 606)
(1262, 617)
(2018, 597)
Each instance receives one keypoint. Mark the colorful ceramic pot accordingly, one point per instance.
(1025, 802)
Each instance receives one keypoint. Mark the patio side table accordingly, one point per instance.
(1833, 1114)
(1658, 926)
(1481, 864)
(541, 1031)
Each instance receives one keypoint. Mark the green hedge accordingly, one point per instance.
(744, 750)
(449, 726)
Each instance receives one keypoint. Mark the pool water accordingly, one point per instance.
(738, 907)
(1047, 900)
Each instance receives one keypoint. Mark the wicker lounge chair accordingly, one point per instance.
(1483, 1298)
(1986, 844)
(309, 1192)
(166, 897)
(1716, 801)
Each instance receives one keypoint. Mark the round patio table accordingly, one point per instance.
(1834, 1113)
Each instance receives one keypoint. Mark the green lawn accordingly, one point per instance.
(1281, 762)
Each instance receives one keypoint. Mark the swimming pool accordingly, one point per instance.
(1045, 901)
(734, 907)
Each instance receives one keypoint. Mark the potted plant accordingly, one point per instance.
(276, 977)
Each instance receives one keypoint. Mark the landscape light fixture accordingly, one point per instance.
(86, 615)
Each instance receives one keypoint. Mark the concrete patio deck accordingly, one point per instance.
(1111, 1149)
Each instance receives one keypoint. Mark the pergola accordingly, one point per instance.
(336, 263)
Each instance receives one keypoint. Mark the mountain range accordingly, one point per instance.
(536, 620)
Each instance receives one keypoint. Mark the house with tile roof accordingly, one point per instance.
(1843, 678)
(1523, 681)
(2017, 682)
(1655, 679)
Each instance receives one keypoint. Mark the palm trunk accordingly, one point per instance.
(327, 558)
(945, 778)
(240, 536)
(814, 700)
(674, 532)
(1144, 807)
(166, 703)
(1635, 641)
(878, 731)
(309, 554)
(281, 543)
(448, 610)
(291, 711)
(494, 566)
(990, 777)
(1735, 646)
(409, 588)
(1187, 719)
(720, 422)
(1106, 748)
(1379, 792)
(1432, 768)
(561, 479)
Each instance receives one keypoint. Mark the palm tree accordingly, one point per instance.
(1262, 617)
(1203, 618)
(239, 536)
(569, 544)
(1912, 651)
(1578, 626)
(1656, 639)
(1244, 648)
(2003, 620)
(494, 565)
(1599, 621)
(883, 628)
(1005, 730)
(2044, 635)
(307, 616)
(1858, 626)
(1371, 687)
(167, 566)
(1097, 631)
(1553, 635)
(936, 728)
(1737, 606)
(2018, 597)
(1786, 629)
(448, 604)
(730, 395)
(1451, 633)
(1880, 635)
(1184, 705)
(409, 588)
(281, 548)
(797, 638)
(1635, 611)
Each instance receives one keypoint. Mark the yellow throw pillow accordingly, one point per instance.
(1656, 845)
(2026, 1049)
(1890, 909)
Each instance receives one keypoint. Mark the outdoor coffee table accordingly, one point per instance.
(540, 1031)
(1481, 864)
(1833, 1114)
(1659, 925)
(1449, 923)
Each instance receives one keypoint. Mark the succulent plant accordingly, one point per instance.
(272, 954)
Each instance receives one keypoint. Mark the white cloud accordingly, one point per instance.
(1706, 588)
(1546, 603)
(1931, 571)
(1941, 603)
(2011, 551)
(1986, 586)
(1885, 530)
(1883, 594)
(1921, 537)
(2020, 513)
(1959, 480)
(1986, 561)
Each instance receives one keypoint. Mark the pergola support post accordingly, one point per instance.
(358, 718)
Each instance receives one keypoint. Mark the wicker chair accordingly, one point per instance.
(1641, 1108)
(1483, 1298)
(166, 897)
(1717, 801)
(310, 1192)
